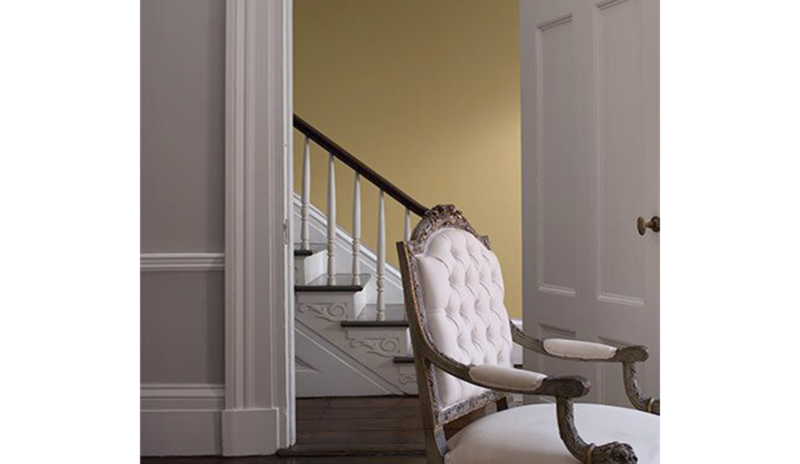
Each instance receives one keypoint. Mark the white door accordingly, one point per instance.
(590, 156)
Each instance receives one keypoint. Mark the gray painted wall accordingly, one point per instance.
(182, 186)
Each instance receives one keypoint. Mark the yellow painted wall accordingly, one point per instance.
(427, 93)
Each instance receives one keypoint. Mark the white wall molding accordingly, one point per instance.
(172, 262)
(259, 325)
(181, 419)
(181, 391)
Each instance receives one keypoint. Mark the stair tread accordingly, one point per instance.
(367, 318)
(343, 284)
(314, 248)
(374, 323)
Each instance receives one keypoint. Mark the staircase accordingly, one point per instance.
(351, 338)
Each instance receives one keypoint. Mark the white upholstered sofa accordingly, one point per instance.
(462, 340)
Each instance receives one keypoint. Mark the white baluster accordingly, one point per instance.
(331, 221)
(304, 240)
(381, 258)
(357, 230)
(407, 226)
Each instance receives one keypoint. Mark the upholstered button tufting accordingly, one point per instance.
(462, 292)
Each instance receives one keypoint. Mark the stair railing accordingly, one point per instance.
(361, 170)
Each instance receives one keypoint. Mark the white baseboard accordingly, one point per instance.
(250, 432)
(191, 420)
(181, 419)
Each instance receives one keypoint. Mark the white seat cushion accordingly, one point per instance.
(529, 435)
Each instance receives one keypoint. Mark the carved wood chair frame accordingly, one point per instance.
(564, 388)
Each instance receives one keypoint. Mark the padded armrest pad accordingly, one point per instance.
(578, 350)
(501, 377)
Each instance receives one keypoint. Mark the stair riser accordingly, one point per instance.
(308, 268)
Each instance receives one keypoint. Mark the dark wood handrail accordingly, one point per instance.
(357, 165)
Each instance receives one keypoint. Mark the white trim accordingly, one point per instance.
(259, 324)
(181, 419)
(163, 262)
(167, 391)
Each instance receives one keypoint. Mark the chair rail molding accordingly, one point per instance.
(258, 417)
(172, 262)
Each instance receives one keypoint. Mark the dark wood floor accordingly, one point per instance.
(353, 426)
(380, 430)
(291, 460)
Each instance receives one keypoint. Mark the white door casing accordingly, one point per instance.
(590, 167)
(259, 414)
(253, 413)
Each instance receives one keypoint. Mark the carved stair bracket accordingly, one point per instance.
(385, 347)
(332, 312)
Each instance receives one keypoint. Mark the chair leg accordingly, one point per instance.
(435, 445)
(589, 453)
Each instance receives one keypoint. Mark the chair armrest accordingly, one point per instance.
(579, 350)
(522, 381)
(502, 377)
(573, 349)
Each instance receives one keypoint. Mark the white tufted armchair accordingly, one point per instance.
(462, 339)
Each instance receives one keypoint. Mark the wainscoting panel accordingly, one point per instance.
(182, 326)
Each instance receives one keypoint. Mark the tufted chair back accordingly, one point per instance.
(458, 301)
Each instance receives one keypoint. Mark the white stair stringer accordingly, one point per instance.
(322, 369)
(372, 348)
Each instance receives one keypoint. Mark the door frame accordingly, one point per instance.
(259, 414)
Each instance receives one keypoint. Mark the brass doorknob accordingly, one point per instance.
(654, 223)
